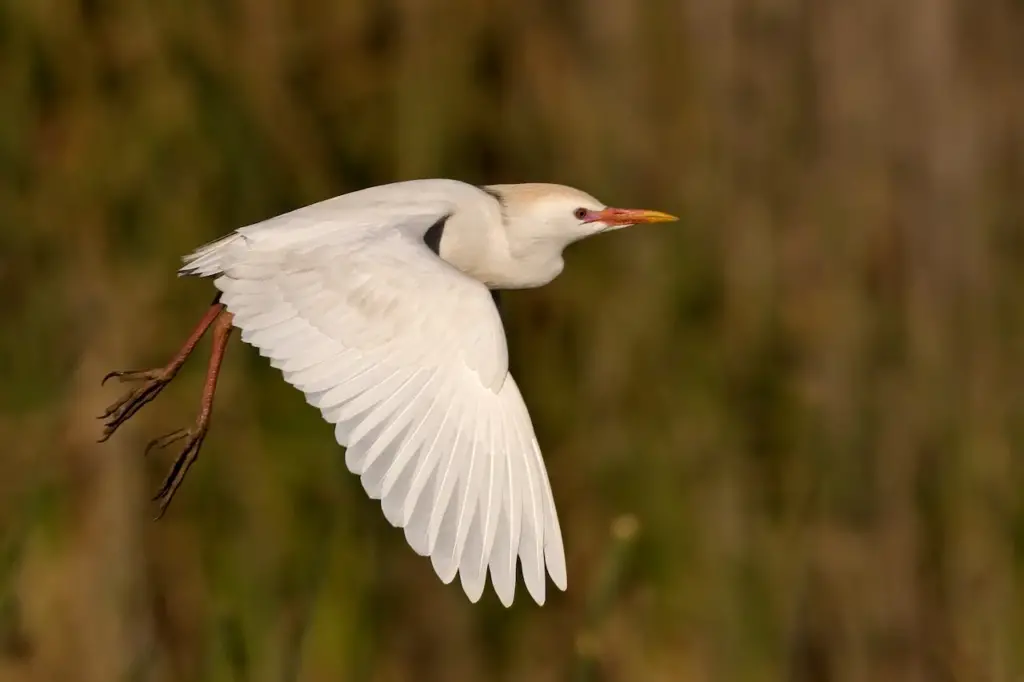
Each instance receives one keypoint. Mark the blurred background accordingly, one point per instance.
(783, 434)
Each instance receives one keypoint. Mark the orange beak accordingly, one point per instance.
(619, 217)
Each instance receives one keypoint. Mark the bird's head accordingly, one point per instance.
(537, 221)
(563, 215)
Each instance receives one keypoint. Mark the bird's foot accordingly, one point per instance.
(152, 381)
(193, 438)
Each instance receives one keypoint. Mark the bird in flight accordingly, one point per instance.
(381, 306)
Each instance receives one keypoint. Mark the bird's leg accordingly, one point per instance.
(193, 436)
(153, 380)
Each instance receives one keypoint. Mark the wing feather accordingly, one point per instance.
(326, 374)
(495, 498)
(394, 411)
(470, 488)
(554, 551)
(320, 349)
(506, 546)
(454, 527)
(454, 461)
(531, 546)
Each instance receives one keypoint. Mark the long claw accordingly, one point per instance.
(165, 440)
(118, 404)
(133, 375)
(127, 405)
(181, 465)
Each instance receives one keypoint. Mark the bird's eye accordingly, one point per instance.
(580, 213)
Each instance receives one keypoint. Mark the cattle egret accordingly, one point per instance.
(381, 307)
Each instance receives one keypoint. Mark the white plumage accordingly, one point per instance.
(401, 347)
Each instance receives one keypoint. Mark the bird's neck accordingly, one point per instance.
(484, 248)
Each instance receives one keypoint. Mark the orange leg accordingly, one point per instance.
(154, 381)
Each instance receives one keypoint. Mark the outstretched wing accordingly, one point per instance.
(407, 357)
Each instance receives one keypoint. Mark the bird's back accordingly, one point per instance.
(351, 217)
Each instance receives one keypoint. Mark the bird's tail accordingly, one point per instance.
(206, 261)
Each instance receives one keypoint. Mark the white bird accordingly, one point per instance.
(381, 307)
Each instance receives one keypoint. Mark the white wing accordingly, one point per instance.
(407, 357)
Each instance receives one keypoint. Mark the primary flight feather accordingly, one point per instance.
(380, 306)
